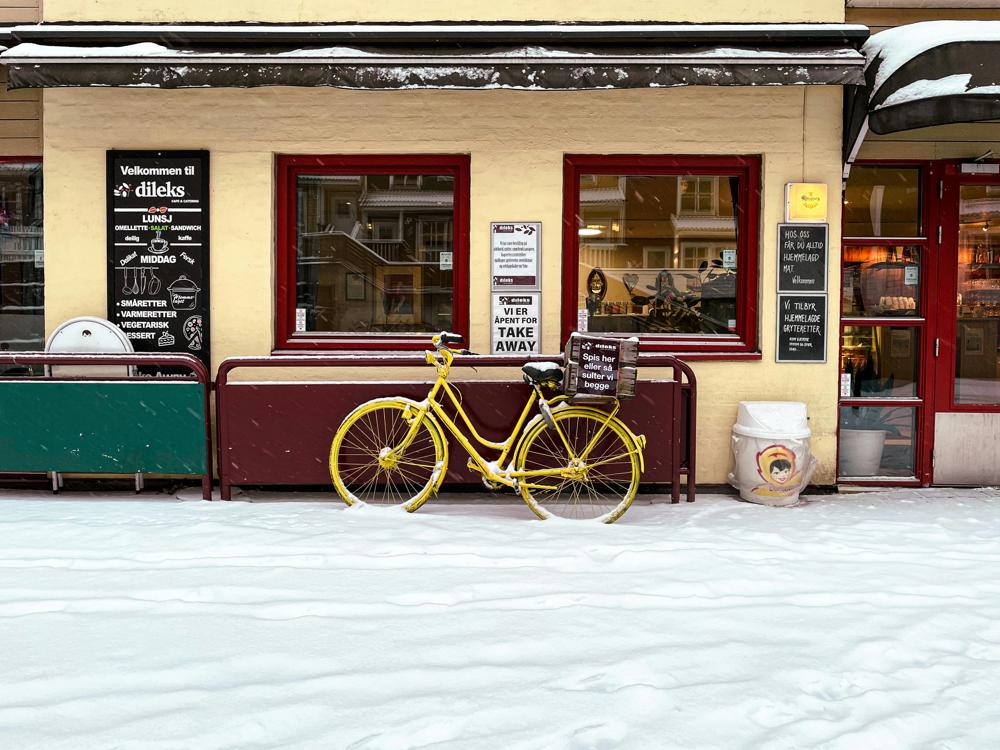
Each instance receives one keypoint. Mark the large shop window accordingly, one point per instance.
(372, 251)
(664, 247)
(22, 281)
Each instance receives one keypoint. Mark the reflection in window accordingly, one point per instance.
(374, 253)
(882, 202)
(658, 253)
(881, 281)
(22, 281)
(977, 345)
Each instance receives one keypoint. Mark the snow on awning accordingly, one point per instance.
(924, 74)
(549, 56)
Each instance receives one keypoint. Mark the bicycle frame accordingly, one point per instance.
(491, 470)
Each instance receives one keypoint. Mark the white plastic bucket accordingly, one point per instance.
(772, 461)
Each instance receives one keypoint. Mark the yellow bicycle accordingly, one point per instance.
(569, 460)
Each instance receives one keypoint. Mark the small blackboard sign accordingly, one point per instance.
(802, 327)
(598, 373)
(158, 284)
(802, 254)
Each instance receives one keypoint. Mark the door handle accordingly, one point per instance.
(937, 347)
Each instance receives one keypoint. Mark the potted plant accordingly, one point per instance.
(863, 432)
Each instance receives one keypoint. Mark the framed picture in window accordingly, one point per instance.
(354, 287)
(899, 342)
(972, 340)
(398, 292)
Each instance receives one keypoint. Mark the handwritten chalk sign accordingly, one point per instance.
(802, 324)
(802, 254)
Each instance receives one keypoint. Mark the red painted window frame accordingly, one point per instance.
(288, 169)
(748, 169)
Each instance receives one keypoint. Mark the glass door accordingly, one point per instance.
(977, 304)
(886, 259)
(967, 419)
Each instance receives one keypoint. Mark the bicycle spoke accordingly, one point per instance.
(598, 488)
(371, 464)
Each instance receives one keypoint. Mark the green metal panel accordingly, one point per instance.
(102, 427)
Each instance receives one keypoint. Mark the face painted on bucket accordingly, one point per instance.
(776, 464)
(780, 476)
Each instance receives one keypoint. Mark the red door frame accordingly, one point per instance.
(952, 180)
(940, 182)
(923, 402)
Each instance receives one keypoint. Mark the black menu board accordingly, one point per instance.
(158, 284)
(802, 253)
(801, 328)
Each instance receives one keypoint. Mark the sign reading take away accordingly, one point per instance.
(516, 326)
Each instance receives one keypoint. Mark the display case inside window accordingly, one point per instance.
(881, 281)
(22, 274)
(879, 361)
(666, 246)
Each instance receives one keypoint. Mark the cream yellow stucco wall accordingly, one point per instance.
(163, 11)
(516, 141)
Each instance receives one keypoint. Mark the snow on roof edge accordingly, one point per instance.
(894, 47)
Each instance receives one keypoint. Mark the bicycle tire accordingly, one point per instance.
(363, 466)
(606, 482)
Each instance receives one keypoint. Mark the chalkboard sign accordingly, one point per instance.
(802, 253)
(158, 284)
(801, 328)
(598, 374)
(600, 366)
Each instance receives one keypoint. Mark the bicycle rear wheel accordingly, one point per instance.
(599, 487)
(371, 462)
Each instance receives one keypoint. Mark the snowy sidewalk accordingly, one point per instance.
(861, 621)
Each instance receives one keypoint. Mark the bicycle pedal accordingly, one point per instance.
(474, 466)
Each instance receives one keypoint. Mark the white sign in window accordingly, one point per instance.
(515, 249)
(516, 323)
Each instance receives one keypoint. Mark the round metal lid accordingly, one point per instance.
(88, 334)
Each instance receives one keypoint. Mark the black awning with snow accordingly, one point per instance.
(515, 56)
(925, 74)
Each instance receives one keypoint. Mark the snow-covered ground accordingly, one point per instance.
(868, 621)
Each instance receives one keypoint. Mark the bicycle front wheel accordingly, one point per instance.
(378, 457)
(598, 486)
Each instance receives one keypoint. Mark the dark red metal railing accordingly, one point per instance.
(682, 411)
